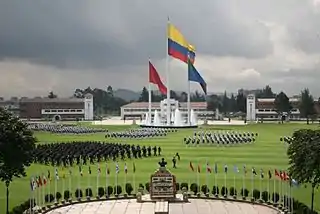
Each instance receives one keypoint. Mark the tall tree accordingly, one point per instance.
(225, 103)
(51, 95)
(16, 146)
(214, 102)
(197, 97)
(241, 102)
(306, 105)
(174, 95)
(304, 159)
(266, 92)
(144, 96)
(78, 93)
(282, 104)
(110, 91)
(233, 103)
(183, 97)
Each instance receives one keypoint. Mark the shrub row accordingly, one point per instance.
(215, 190)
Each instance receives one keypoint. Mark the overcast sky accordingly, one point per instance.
(61, 45)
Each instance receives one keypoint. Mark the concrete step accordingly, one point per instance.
(161, 207)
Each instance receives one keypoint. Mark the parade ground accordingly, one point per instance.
(266, 153)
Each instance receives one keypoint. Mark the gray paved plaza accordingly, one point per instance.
(195, 206)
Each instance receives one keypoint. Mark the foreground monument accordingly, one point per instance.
(163, 183)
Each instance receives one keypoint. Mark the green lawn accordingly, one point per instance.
(266, 153)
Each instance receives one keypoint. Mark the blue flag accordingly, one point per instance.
(194, 76)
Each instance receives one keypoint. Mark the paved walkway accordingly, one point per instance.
(195, 206)
(118, 121)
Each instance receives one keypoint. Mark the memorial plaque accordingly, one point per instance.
(162, 184)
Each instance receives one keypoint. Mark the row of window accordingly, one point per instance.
(62, 110)
(274, 110)
(158, 109)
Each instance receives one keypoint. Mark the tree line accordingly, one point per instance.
(106, 103)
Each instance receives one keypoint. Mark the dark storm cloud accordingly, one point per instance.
(99, 34)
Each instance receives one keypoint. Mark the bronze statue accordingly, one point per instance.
(162, 163)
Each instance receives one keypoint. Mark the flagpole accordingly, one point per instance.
(252, 185)
(55, 189)
(148, 122)
(49, 185)
(243, 181)
(116, 183)
(280, 190)
(269, 189)
(107, 174)
(215, 178)
(291, 196)
(63, 184)
(198, 175)
(89, 179)
(70, 185)
(234, 180)
(225, 179)
(274, 186)
(98, 183)
(188, 103)
(134, 182)
(30, 201)
(167, 74)
(260, 186)
(43, 191)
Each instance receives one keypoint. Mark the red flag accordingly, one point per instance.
(208, 168)
(285, 176)
(281, 175)
(155, 78)
(198, 168)
(44, 180)
(191, 166)
(40, 181)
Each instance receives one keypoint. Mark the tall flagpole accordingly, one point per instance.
(188, 103)
(149, 107)
(148, 122)
(167, 74)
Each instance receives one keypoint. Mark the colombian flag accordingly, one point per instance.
(178, 46)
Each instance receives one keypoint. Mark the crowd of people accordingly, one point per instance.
(220, 138)
(64, 128)
(70, 153)
(141, 133)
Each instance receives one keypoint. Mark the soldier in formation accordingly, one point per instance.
(286, 139)
(71, 153)
(63, 128)
(220, 138)
(141, 133)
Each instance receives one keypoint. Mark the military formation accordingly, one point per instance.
(220, 138)
(64, 128)
(71, 153)
(286, 139)
(141, 133)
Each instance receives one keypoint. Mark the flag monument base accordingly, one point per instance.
(160, 120)
(162, 184)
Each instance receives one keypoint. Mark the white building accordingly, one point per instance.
(140, 109)
(258, 108)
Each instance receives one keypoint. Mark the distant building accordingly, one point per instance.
(265, 108)
(51, 109)
(11, 105)
(140, 109)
